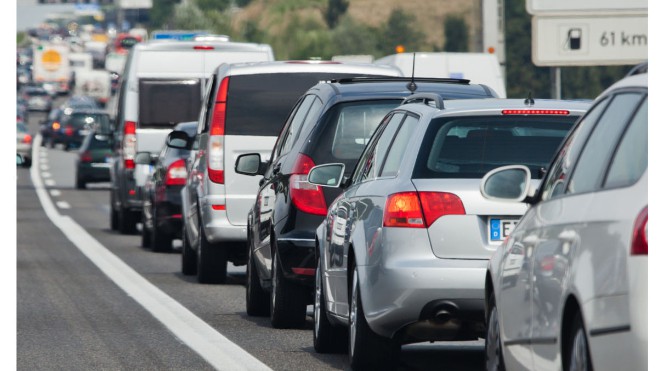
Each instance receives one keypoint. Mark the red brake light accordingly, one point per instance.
(438, 204)
(68, 130)
(640, 243)
(27, 139)
(56, 125)
(176, 173)
(129, 144)
(216, 137)
(85, 157)
(535, 112)
(203, 47)
(420, 209)
(306, 197)
(403, 210)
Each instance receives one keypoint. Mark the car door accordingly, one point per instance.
(273, 189)
(348, 213)
(518, 302)
(579, 254)
(196, 163)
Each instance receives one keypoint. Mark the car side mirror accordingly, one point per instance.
(179, 139)
(143, 158)
(507, 183)
(250, 164)
(327, 175)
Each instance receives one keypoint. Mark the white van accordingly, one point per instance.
(161, 86)
(479, 68)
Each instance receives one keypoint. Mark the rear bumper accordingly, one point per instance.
(297, 257)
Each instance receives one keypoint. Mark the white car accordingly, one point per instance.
(578, 300)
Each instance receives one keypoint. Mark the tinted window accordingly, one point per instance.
(630, 160)
(98, 122)
(398, 148)
(259, 104)
(165, 103)
(470, 147)
(296, 123)
(371, 162)
(565, 159)
(590, 168)
(98, 143)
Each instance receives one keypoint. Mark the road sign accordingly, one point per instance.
(589, 40)
(572, 7)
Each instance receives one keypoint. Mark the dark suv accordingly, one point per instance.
(75, 124)
(331, 123)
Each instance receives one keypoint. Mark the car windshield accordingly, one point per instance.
(470, 147)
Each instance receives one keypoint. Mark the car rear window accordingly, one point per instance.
(470, 147)
(163, 103)
(346, 128)
(98, 122)
(259, 104)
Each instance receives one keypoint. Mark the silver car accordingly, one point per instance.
(578, 299)
(403, 250)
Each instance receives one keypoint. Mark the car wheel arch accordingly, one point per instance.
(571, 309)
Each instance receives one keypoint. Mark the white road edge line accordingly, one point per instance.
(202, 338)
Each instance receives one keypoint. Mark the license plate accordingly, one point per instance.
(84, 132)
(500, 228)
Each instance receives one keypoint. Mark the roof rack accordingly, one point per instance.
(350, 80)
(425, 98)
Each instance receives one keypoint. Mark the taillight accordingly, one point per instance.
(216, 137)
(27, 139)
(85, 157)
(438, 204)
(129, 144)
(420, 209)
(176, 173)
(203, 47)
(68, 130)
(306, 197)
(640, 244)
(56, 125)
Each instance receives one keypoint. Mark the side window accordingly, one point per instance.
(630, 160)
(297, 120)
(206, 105)
(563, 163)
(374, 154)
(400, 143)
(589, 170)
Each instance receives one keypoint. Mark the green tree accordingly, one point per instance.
(456, 34)
(162, 12)
(400, 30)
(335, 9)
(208, 5)
(350, 37)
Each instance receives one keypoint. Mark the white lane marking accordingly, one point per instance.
(49, 182)
(63, 205)
(43, 154)
(46, 174)
(44, 167)
(214, 347)
(55, 192)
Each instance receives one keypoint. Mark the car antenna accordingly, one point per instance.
(529, 101)
(412, 85)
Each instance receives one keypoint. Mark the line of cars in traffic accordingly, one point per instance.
(404, 210)
(402, 252)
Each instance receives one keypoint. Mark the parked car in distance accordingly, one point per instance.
(24, 143)
(579, 299)
(93, 162)
(38, 98)
(402, 252)
(161, 213)
(243, 111)
(75, 124)
(332, 122)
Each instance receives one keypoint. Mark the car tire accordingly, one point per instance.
(256, 297)
(160, 240)
(80, 183)
(211, 260)
(493, 355)
(126, 221)
(367, 350)
(287, 300)
(578, 358)
(327, 338)
(188, 256)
